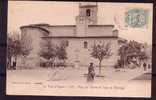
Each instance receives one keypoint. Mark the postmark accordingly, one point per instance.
(136, 18)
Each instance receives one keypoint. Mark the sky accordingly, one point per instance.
(22, 13)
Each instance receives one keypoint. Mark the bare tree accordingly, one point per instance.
(101, 51)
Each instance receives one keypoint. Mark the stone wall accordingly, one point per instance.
(75, 50)
(77, 53)
(34, 35)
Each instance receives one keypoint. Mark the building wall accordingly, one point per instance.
(100, 30)
(62, 31)
(33, 35)
(81, 30)
(86, 27)
(76, 52)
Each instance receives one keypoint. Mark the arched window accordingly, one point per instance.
(85, 45)
(88, 12)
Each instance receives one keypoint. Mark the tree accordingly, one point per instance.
(10, 49)
(101, 51)
(130, 50)
(143, 56)
(13, 49)
(49, 51)
(61, 52)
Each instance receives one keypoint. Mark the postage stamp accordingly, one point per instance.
(136, 17)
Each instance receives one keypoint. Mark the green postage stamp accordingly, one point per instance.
(136, 17)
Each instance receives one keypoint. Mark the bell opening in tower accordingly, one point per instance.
(88, 12)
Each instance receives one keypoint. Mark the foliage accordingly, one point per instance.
(143, 56)
(101, 51)
(49, 51)
(130, 50)
(17, 47)
(13, 49)
(52, 51)
(61, 51)
(10, 47)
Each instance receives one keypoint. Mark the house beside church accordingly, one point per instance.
(79, 38)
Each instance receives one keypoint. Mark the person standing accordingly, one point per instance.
(144, 65)
(14, 65)
(91, 73)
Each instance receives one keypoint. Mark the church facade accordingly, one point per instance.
(79, 38)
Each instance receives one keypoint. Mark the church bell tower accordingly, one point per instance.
(87, 16)
(88, 12)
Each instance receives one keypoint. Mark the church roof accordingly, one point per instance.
(38, 27)
(101, 25)
(79, 37)
(48, 25)
(62, 26)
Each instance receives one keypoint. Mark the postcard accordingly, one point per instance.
(95, 49)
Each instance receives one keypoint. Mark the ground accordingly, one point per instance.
(135, 79)
(76, 74)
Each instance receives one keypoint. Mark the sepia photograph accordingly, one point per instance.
(95, 49)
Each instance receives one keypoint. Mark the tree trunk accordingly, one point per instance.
(9, 62)
(122, 61)
(24, 59)
(52, 63)
(100, 68)
(64, 62)
(16, 62)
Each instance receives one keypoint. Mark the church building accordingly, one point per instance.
(80, 38)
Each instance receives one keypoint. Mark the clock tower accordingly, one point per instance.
(87, 16)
